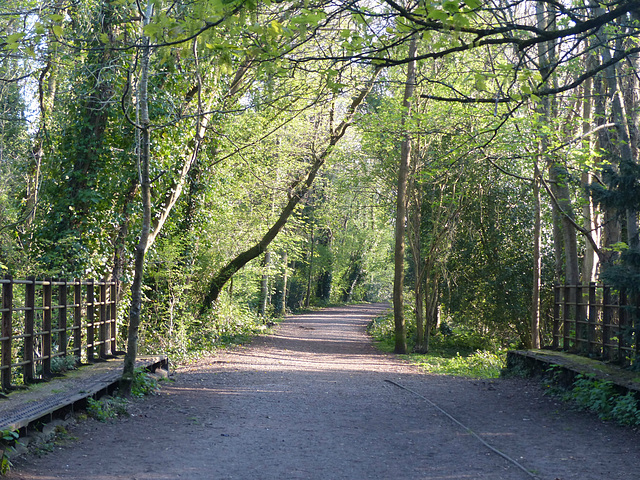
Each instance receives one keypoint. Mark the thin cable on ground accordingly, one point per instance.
(467, 429)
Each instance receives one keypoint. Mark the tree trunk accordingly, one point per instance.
(264, 286)
(589, 213)
(119, 243)
(285, 275)
(621, 120)
(431, 294)
(401, 207)
(416, 248)
(46, 96)
(537, 261)
(307, 297)
(543, 109)
(145, 187)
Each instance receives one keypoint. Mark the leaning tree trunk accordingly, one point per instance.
(298, 191)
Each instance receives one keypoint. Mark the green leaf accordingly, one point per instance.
(451, 7)
(57, 30)
(438, 15)
(15, 37)
(152, 29)
(275, 28)
(481, 82)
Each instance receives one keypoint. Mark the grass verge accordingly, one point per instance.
(452, 351)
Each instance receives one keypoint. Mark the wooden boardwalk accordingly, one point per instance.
(44, 401)
(569, 366)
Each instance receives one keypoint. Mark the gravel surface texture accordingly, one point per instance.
(316, 400)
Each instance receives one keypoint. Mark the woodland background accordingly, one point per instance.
(228, 161)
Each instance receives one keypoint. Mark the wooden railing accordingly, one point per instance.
(597, 321)
(47, 323)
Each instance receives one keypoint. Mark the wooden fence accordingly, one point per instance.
(46, 323)
(597, 321)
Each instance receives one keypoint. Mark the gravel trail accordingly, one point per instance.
(317, 401)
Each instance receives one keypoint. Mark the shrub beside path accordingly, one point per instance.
(317, 401)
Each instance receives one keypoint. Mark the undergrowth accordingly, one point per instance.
(8, 439)
(226, 325)
(112, 407)
(602, 398)
(452, 350)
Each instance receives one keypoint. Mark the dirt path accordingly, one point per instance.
(314, 401)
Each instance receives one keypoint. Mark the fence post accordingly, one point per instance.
(557, 293)
(6, 332)
(28, 370)
(77, 318)
(636, 327)
(62, 318)
(606, 323)
(623, 328)
(113, 331)
(103, 320)
(593, 318)
(91, 308)
(581, 321)
(46, 327)
(566, 319)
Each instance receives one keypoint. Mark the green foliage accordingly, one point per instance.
(602, 398)
(106, 408)
(626, 410)
(479, 364)
(111, 407)
(64, 364)
(143, 384)
(451, 351)
(8, 438)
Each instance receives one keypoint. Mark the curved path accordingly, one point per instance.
(317, 401)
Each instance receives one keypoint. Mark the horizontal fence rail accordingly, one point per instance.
(597, 321)
(49, 325)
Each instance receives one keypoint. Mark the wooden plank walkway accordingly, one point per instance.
(44, 400)
(570, 365)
